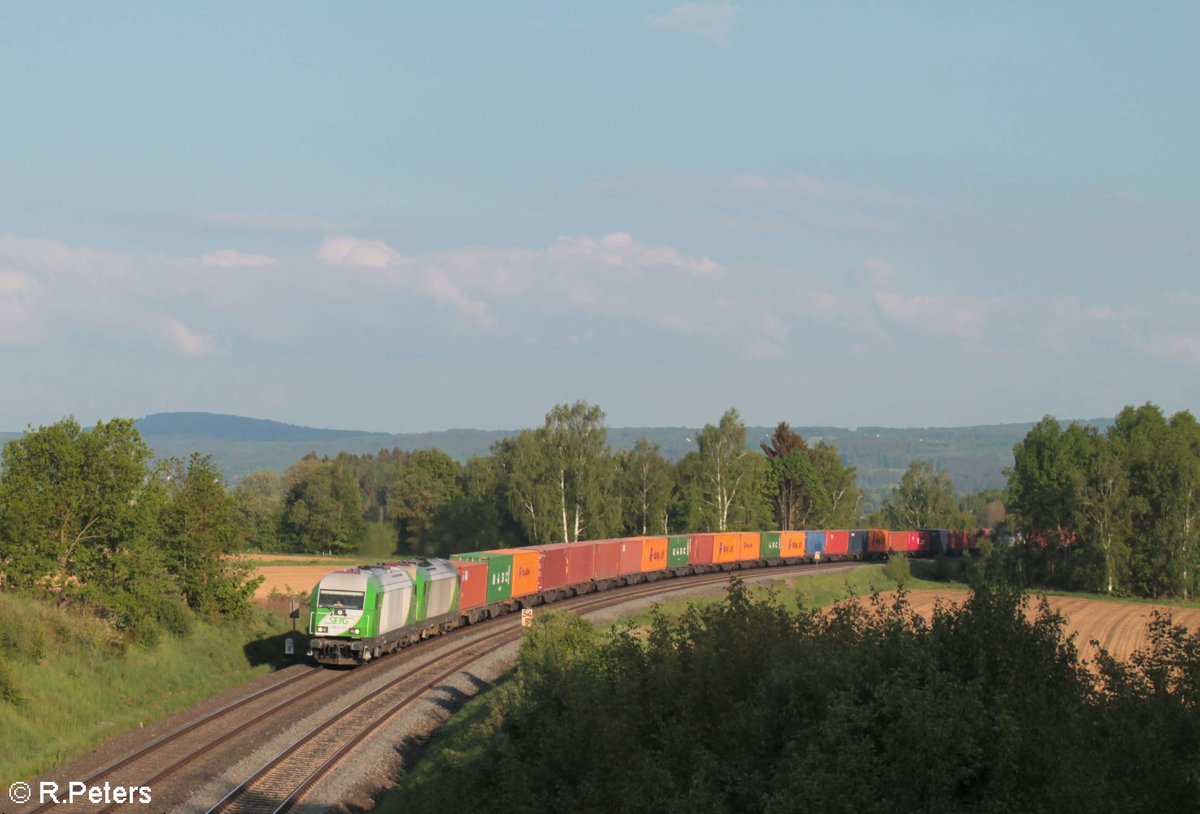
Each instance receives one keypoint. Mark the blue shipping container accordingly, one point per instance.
(814, 543)
(858, 543)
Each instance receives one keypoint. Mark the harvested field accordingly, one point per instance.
(1119, 627)
(291, 579)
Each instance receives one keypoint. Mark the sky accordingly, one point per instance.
(405, 217)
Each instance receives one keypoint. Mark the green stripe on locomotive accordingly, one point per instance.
(768, 545)
(345, 609)
(677, 550)
(500, 568)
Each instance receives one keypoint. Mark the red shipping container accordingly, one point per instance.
(914, 541)
(897, 541)
(837, 542)
(608, 559)
(791, 544)
(748, 545)
(924, 541)
(700, 549)
(554, 564)
(581, 562)
(472, 583)
(631, 555)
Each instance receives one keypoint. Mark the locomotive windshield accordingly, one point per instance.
(350, 600)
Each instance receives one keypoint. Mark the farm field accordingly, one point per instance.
(291, 579)
(1119, 627)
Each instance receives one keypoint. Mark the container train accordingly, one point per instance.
(358, 614)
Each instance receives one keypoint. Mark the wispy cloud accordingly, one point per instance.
(711, 23)
(184, 339)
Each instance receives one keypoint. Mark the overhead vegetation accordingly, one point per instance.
(746, 706)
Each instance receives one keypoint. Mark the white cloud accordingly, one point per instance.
(709, 22)
(879, 273)
(184, 339)
(352, 252)
(228, 258)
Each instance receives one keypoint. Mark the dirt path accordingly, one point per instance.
(1119, 627)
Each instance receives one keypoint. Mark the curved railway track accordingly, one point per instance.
(343, 724)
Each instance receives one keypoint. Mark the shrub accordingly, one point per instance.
(898, 568)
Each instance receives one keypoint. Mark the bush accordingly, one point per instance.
(9, 693)
(898, 568)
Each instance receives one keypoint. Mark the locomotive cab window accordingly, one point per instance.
(350, 600)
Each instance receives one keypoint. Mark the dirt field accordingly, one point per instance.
(289, 579)
(1120, 627)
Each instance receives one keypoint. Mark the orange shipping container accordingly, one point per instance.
(877, 541)
(527, 570)
(726, 547)
(791, 544)
(654, 553)
(748, 545)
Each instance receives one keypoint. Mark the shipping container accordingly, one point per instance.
(654, 554)
(555, 565)
(907, 541)
(631, 555)
(472, 583)
(958, 541)
(500, 566)
(768, 545)
(814, 543)
(877, 541)
(748, 545)
(527, 570)
(791, 544)
(608, 559)
(678, 548)
(938, 541)
(924, 541)
(837, 543)
(726, 547)
(858, 543)
(701, 549)
(581, 562)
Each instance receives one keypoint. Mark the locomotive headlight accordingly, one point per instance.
(354, 630)
(322, 629)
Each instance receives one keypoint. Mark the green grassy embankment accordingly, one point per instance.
(67, 684)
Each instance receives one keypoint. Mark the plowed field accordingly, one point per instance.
(1119, 627)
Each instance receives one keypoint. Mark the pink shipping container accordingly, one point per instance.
(554, 564)
(700, 549)
(608, 559)
(631, 555)
(473, 583)
(837, 542)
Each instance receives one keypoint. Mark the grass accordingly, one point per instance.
(66, 685)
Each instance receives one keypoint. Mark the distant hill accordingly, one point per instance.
(974, 457)
(221, 427)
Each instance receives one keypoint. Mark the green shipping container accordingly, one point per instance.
(499, 584)
(768, 546)
(677, 550)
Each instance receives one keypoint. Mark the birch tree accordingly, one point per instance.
(576, 443)
(646, 479)
(723, 460)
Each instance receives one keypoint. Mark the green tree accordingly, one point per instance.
(78, 508)
(922, 499)
(583, 471)
(429, 480)
(258, 506)
(838, 480)
(1104, 517)
(795, 490)
(322, 507)
(527, 485)
(199, 530)
(724, 464)
(646, 479)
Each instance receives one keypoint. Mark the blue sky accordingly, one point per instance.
(407, 217)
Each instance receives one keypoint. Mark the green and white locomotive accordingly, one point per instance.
(361, 613)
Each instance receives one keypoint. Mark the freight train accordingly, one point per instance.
(358, 614)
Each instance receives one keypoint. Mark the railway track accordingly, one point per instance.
(343, 724)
